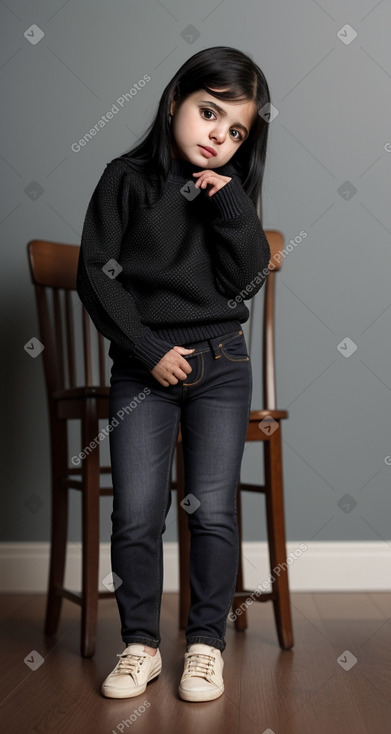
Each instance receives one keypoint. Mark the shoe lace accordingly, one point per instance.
(128, 663)
(199, 664)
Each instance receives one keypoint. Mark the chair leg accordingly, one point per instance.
(90, 529)
(183, 542)
(277, 542)
(240, 620)
(59, 526)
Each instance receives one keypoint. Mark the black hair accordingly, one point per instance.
(220, 67)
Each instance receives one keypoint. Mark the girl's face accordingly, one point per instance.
(202, 120)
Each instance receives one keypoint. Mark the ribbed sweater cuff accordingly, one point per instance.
(231, 200)
(151, 349)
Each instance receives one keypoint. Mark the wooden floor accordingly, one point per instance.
(267, 690)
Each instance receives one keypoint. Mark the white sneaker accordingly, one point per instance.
(202, 678)
(133, 671)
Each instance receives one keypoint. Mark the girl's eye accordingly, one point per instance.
(237, 131)
(209, 118)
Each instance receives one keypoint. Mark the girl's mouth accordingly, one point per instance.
(206, 152)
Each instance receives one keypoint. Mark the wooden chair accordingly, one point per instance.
(53, 268)
(270, 435)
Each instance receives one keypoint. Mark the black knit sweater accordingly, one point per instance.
(155, 277)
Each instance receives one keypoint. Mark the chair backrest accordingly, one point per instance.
(276, 243)
(53, 268)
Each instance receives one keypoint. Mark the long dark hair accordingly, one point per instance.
(220, 67)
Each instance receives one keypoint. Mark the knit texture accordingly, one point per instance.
(152, 277)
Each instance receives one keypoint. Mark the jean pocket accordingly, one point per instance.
(233, 347)
(198, 370)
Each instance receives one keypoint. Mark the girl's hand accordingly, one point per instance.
(210, 178)
(173, 367)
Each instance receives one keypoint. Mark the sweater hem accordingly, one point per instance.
(163, 339)
(182, 334)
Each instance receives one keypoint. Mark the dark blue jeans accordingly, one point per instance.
(213, 407)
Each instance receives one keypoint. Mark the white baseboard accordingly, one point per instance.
(332, 566)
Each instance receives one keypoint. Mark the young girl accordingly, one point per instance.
(171, 246)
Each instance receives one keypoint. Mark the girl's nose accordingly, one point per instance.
(218, 135)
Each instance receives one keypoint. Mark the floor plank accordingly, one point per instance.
(300, 691)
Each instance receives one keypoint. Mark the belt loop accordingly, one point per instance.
(214, 347)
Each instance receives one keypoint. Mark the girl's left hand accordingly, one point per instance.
(210, 177)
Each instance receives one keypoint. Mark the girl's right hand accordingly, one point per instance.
(172, 367)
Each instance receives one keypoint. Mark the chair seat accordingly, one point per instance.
(70, 403)
(258, 415)
(255, 416)
(84, 391)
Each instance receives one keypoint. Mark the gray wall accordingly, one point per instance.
(332, 135)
